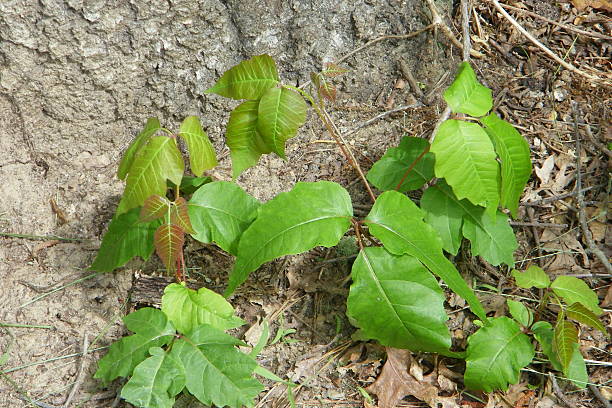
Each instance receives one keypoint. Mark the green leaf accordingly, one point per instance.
(155, 382)
(169, 240)
(202, 155)
(444, 214)
(190, 184)
(398, 223)
(513, 151)
(534, 276)
(143, 137)
(490, 237)
(188, 309)
(397, 301)
(220, 212)
(467, 95)
(126, 238)
(520, 313)
(154, 207)
(579, 313)
(495, 355)
(244, 141)
(388, 172)
(158, 161)
(466, 159)
(152, 329)
(281, 113)
(544, 334)
(565, 337)
(179, 215)
(576, 372)
(572, 290)
(249, 79)
(216, 372)
(310, 215)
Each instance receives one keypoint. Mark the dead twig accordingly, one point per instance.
(580, 198)
(437, 21)
(559, 393)
(549, 200)
(562, 25)
(604, 401)
(381, 116)
(443, 116)
(602, 147)
(80, 376)
(537, 224)
(544, 48)
(465, 26)
(410, 78)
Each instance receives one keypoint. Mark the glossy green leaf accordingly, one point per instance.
(155, 382)
(158, 161)
(520, 313)
(281, 113)
(216, 372)
(534, 276)
(398, 223)
(310, 215)
(190, 184)
(565, 337)
(496, 353)
(250, 79)
(126, 238)
(574, 290)
(467, 95)
(188, 309)
(579, 313)
(397, 162)
(151, 127)
(444, 214)
(514, 153)
(576, 372)
(202, 154)
(490, 237)
(169, 240)
(154, 207)
(179, 215)
(220, 212)
(465, 158)
(151, 328)
(244, 141)
(397, 301)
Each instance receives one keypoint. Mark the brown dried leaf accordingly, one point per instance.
(596, 4)
(567, 245)
(394, 383)
(543, 172)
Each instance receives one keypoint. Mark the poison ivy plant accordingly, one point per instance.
(201, 358)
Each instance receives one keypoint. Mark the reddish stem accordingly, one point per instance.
(414, 163)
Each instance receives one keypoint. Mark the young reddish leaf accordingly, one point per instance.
(169, 239)
(153, 208)
(579, 313)
(333, 70)
(566, 335)
(179, 215)
(327, 90)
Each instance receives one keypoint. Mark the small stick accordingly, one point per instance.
(562, 25)
(445, 115)
(542, 46)
(438, 22)
(80, 376)
(465, 25)
(536, 236)
(381, 116)
(580, 198)
(42, 237)
(560, 197)
(602, 147)
(537, 224)
(410, 78)
(559, 392)
(604, 401)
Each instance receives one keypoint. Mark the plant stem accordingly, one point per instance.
(399, 185)
(336, 135)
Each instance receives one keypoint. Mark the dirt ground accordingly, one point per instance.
(79, 78)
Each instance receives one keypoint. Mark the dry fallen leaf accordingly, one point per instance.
(545, 170)
(394, 383)
(569, 248)
(596, 4)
